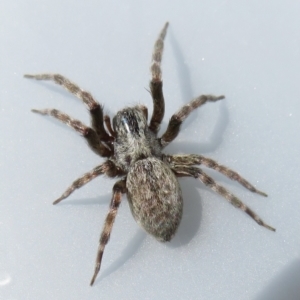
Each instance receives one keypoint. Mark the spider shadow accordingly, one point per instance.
(190, 225)
(184, 77)
(285, 285)
(187, 95)
(53, 87)
(192, 204)
(192, 214)
(102, 200)
(214, 142)
(192, 211)
(128, 251)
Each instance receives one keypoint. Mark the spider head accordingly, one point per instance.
(133, 139)
(130, 123)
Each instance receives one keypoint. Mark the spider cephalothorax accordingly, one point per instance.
(133, 138)
(134, 153)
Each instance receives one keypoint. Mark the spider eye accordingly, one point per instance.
(130, 123)
(124, 121)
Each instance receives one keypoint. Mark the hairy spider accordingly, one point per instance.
(134, 153)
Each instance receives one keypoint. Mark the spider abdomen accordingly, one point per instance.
(154, 197)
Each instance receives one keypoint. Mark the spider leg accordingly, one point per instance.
(107, 168)
(156, 82)
(96, 110)
(88, 133)
(176, 120)
(194, 159)
(181, 170)
(118, 189)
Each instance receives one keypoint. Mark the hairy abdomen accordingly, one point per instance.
(154, 197)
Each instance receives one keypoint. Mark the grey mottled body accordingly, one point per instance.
(135, 154)
(154, 197)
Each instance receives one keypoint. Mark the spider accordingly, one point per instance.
(134, 152)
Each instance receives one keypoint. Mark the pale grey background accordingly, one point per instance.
(247, 50)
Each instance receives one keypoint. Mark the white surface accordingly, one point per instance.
(249, 51)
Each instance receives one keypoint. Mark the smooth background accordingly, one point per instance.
(248, 51)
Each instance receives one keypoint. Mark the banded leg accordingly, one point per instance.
(118, 189)
(88, 133)
(194, 159)
(176, 120)
(107, 168)
(156, 82)
(94, 107)
(181, 170)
